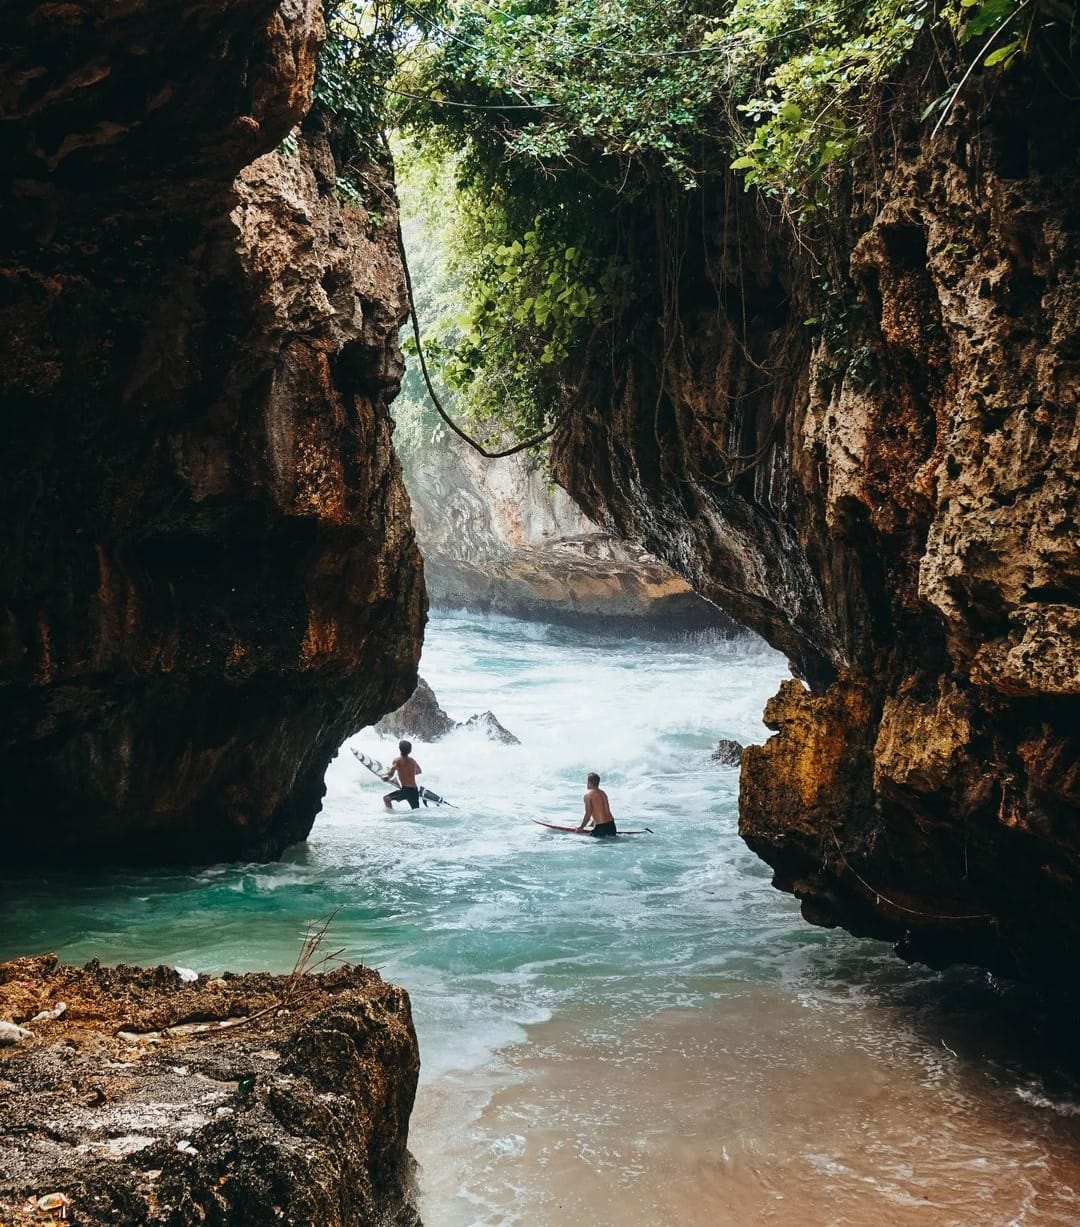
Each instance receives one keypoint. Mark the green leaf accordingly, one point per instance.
(991, 14)
(935, 105)
(1002, 53)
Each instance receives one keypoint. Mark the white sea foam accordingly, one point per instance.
(1063, 1107)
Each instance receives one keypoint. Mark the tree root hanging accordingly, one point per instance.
(879, 898)
(477, 447)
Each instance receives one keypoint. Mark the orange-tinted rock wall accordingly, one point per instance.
(208, 576)
(890, 495)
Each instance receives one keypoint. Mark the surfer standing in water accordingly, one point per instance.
(407, 769)
(597, 808)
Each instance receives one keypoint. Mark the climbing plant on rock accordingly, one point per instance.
(558, 113)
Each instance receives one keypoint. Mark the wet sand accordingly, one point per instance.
(765, 1107)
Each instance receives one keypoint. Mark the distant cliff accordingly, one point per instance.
(869, 454)
(498, 537)
(208, 575)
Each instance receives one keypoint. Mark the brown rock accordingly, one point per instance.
(498, 538)
(295, 1110)
(208, 576)
(891, 499)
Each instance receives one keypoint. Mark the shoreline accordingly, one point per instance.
(683, 1121)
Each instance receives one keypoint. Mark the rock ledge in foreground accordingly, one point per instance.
(299, 1116)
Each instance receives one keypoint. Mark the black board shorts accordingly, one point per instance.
(412, 795)
(604, 830)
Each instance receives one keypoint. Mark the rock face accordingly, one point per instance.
(497, 539)
(728, 753)
(422, 717)
(892, 500)
(419, 716)
(208, 576)
(486, 723)
(299, 1115)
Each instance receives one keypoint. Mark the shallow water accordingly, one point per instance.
(638, 1031)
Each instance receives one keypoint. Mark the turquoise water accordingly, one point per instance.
(487, 919)
(525, 952)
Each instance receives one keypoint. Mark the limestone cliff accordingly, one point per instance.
(208, 575)
(498, 539)
(890, 497)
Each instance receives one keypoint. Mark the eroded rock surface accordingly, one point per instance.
(298, 1115)
(497, 538)
(422, 717)
(208, 576)
(486, 723)
(892, 501)
(728, 753)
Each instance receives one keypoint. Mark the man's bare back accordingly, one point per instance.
(407, 769)
(597, 808)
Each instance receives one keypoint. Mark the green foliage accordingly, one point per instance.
(417, 427)
(426, 193)
(551, 115)
(631, 89)
(525, 301)
(522, 293)
(810, 109)
(519, 282)
(356, 61)
(573, 83)
(840, 320)
(1040, 27)
(364, 42)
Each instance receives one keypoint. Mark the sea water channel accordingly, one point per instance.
(637, 1032)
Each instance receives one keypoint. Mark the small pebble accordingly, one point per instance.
(12, 1033)
(56, 1012)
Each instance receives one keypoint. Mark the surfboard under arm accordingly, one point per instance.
(376, 768)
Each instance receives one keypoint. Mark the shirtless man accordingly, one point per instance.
(407, 769)
(597, 808)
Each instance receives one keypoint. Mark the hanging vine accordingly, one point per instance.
(560, 115)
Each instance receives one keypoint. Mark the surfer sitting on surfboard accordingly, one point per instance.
(407, 769)
(597, 808)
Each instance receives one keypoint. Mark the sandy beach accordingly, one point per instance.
(761, 1109)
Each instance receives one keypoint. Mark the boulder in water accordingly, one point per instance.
(491, 728)
(420, 717)
(728, 753)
